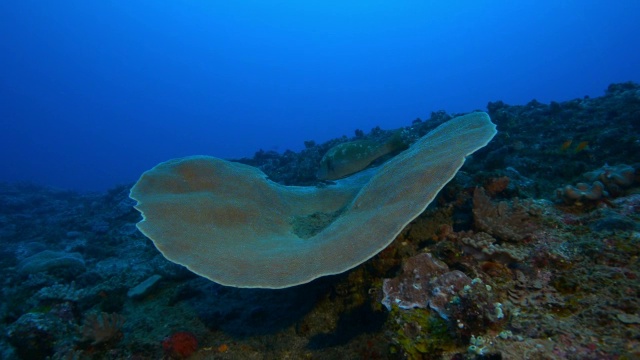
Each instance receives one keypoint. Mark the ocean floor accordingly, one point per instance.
(530, 252)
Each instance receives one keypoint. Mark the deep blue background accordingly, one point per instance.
(92, 93)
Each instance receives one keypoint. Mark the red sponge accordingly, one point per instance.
(180, 345)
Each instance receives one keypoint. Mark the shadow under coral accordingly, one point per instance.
(247, 312)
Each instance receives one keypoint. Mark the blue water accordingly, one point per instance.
(93, 93)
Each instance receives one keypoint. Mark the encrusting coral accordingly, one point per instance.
(507, 222)
(425, 282)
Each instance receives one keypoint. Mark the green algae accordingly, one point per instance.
(419, 334)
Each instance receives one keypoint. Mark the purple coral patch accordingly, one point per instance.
(424, 282)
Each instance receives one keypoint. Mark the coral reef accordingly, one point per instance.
(504, 270)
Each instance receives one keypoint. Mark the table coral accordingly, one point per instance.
(227, 222)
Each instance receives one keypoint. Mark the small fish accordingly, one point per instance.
(581, 146)
(348, 158)
(566, 145)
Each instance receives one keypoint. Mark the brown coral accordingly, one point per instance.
(504, 221)
(497, 185)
